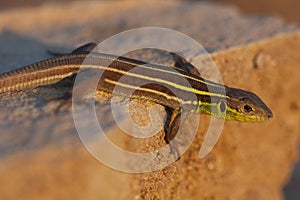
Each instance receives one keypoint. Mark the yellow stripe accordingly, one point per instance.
(162, 70)
(178, 86)
(181, 101)
(36, 82)
(184, 88)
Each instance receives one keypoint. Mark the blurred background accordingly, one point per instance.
(287, 9)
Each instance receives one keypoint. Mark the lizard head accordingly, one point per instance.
(239, 105)
(245, 106)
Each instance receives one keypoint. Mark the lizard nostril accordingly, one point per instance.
(270, 116)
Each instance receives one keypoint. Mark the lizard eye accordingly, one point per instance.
(247, 108)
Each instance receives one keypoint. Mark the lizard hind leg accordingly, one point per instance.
(84, 49)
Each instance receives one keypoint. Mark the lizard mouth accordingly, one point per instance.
(265, 118)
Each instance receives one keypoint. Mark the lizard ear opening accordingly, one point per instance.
(222, 106)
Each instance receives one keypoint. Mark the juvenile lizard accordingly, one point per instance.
(234, 104)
